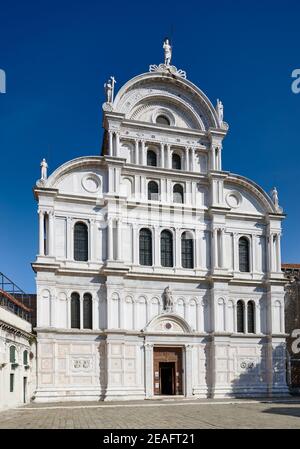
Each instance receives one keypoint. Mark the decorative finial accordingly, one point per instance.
(220, 111)
(168, 51)
(44, 167)
(109, 88)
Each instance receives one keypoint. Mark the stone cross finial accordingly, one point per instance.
(44, 167)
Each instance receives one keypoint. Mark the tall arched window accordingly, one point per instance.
(145, 243)
(81, 242)
(12, 354)
(178, 193)
(250, 317)
(153, 191)
(166, 249)
(75, 311)
(151, 158)
(240, 323)
(244, 262)
(25, 357)
(176, 161)
(87, 311)
(187, 251)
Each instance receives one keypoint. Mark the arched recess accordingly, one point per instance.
(193, 314)
(180, 307)
(129, 313)
(154, 307)
(141, 312)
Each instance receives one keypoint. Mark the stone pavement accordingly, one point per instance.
(172, 414)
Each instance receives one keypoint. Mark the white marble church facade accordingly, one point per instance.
(157, 210)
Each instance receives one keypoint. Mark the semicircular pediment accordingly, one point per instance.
(168, 323)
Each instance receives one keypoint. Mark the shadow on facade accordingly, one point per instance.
(265, 379)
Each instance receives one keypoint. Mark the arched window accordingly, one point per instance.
(151, 158)
(25, 357)
(75, 311)
(166, 249)
(250, 317)
(163, 120)
(176, 161)
(81, 244)
(187, 251)
(178, 193)
(145, 240)
(244, 263)
(153, 191)
(87, 311)
(12, 354)
(240, 316)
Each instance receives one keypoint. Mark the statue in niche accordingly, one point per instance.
(168, 51)
(109, 88)
(168, 299)
(44, 167)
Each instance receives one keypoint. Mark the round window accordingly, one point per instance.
(163, 120)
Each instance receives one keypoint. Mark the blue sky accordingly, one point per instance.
(58, 54)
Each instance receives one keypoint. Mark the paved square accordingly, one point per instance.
(173, 414)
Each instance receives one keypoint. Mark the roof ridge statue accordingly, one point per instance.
(166, 67)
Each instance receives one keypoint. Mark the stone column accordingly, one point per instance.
(92, 240)
(177, 248)
(137, 152)
(144, 154)
(69, 241)
(222, 246)
(188, 370)
(149, 369)
(278, 253)
(198, 248)
(169, 157)
(271, 252)
(135, 244)
(51, 233)
(162, 155)
(110, 146)
(81, 312)
(235, 252)
(215, 248)
(95, 322)
(253, 239)
(156, 246)
(119, 239)
(257, 322)
(187, 159)
(117, 144)
(110, 248)
(192, 159)
(41, 233)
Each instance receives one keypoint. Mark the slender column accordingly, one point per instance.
(235, 252)
(169, 157)
(69, 239)
(253, 253)
(245, 318)
(137, 152)
(149, 369)
(81, 313)
(177, 248)
(192, 159)
(52, 310)
(162, 155)
(187, 158)
(257, 319)
(271, 249)
(51, 233)
(69, 313)
(92, 239)
(110, 252)
(117, 144)
(119, 239)
(156, 246)
(41, 233)
(135, 244)
(215, 245)
(188, 370)
(198, 248)
(144, 155)
(222, 247)
(278, 252)
(213, 153)
(110, 147)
